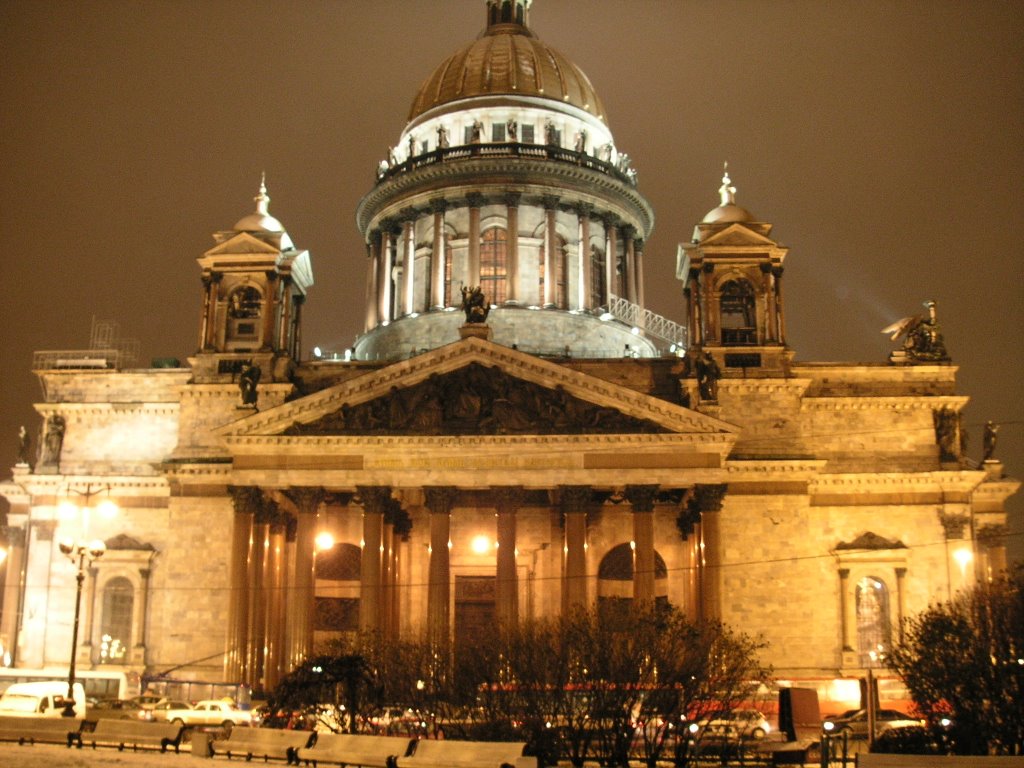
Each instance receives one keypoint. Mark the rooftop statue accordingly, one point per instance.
(923, 342)
(248, 380)
(474, 304)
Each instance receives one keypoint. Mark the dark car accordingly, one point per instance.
(118, 709)
(854, 722)
(909, 740)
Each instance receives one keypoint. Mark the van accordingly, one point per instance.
(41, 699)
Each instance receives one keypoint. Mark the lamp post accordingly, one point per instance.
(82, 555)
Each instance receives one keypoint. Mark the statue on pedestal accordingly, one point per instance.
(923, 342)
(474, 304)
(248, 380)
(989, 441)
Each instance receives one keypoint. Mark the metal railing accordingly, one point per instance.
(75, 359)
(650, 323)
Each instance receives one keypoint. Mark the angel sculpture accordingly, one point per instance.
(922, 342)
(474, 305)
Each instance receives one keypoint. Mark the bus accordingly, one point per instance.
(98, 683)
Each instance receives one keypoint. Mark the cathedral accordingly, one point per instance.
(512, 436)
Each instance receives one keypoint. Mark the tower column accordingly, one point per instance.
(709, 501)
(512, 246)
(507, 502)
(438, 257)
(550, 238)
(270, 310)
(374, 499)
(777, 274)
(475, 200)
(439, 500)
(409, 267)
(575, 502)
(641, 497)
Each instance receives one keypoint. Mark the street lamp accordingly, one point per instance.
(82, 555)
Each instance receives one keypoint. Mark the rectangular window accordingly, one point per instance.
(526, 134)
(424, 147)
(467, 134)
(497, 132)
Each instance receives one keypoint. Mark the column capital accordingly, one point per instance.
(246, 499)
(439, 498)
(550, 202)
(993, 535)
(475, 199)
(508, 498)
(575, 498)
(512, 199)
(15, 535)
(638, 244)
(307, 499)
(584, 210)
(844, 573)
(438, 205)
(953, 524)
(641, 497)
(407, 215)
(628, 231)
(709, 497)
(374, 498)
(611, 221)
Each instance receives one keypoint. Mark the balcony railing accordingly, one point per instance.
(75, 359)
(650, 323)
(508, 149)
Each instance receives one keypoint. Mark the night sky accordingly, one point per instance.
(882, 139)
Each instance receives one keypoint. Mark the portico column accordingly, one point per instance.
(993, 541)
(512, 247)
(627, 233)
(409, 267)
(438, 257)
(507, 501)
(550, 239)
(901, 599)
(276, 567)
(13, 582)
(439, 500)
(302, 595)
(954, 526)
(688, 523)
(585, 274)
(246, 500)
(257, 577)
(641, 498)
(575, 502)
(372, 281)
(475, 200)
(374, 499)
(709, 502)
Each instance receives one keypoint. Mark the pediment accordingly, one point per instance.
(738, 235)
(475, 387)
(243, 243)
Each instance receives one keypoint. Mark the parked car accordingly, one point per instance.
(119, 709)
(162, 707)
(854, 722)
(738, 724)
(910, 740)
(148, 700)
(211, 712)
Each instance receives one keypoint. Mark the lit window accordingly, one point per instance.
(874, 631)
(116, 627)
(493, 265)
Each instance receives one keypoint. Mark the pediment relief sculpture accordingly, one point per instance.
(475, 400)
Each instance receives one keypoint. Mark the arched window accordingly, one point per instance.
(874, 630)
(493, 265)
(739, 325)
(597, 277)
(116, 625)
(615, 585)
(244, 306)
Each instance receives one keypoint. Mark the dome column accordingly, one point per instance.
(476, 201)
(550, 238)
(438, 257)
(512, 244)
(611, 259)
(585, 294)
(372, 277)
(638, 268)
(409, 266)
(630, 256)
(439, 501)
(385, 263)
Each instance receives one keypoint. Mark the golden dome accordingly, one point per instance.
(507, 60)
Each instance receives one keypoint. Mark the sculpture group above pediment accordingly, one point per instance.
(475, 400)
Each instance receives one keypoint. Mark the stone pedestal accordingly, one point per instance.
(475, 330)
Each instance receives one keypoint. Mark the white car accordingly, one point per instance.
(211, 712)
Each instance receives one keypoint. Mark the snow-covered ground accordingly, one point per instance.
(54, 756)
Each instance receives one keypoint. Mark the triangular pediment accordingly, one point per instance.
(475, 387)
(245, 244)
(738, 235)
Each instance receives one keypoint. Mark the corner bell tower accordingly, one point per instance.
(732, 278)
(254, 286)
